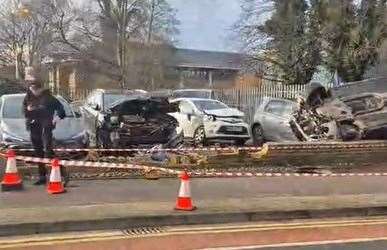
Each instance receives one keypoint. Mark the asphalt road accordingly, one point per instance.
(355, 234)
(135, 190)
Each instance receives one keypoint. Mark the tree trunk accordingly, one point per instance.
(151, 18)
(19, 66)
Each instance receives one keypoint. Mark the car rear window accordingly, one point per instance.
(192, 94)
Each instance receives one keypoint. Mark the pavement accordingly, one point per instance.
(123, 204)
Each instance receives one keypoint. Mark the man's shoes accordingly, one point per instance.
(66, 180)
(41, 181)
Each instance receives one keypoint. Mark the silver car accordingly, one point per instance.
(69, 133)
(271, 121)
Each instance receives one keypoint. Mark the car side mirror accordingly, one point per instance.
(77, 114)
(96, 107)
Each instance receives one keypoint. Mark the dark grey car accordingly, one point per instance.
(116, 118)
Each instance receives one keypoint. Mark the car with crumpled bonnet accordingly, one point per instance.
(122, 119)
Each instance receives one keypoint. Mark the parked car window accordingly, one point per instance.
(192, 94)
(91, 99)
(280, 108)
(67, 108)
(209, 105)
(186, 108)
(13, 108)
(109, 99)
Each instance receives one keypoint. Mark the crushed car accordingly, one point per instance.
(131, 120)
(328, 115)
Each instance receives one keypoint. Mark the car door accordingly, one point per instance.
(188, 118)
(90, 112)
(276, 120)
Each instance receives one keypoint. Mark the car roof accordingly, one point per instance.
(204, 90)
(268, 98)
(13, 95)
(120, 91)
(193, 99)
(8, 96)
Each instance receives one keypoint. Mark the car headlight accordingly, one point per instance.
(210, 118)
(8, 137)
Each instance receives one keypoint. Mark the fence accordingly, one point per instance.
(248, 99)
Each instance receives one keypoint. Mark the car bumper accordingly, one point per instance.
(227, 131)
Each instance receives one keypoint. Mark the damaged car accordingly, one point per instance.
(351, 112)
(324, 115)
(125, 119)
(202, 121)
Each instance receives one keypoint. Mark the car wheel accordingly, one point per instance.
(99, 141)
(240, 142)
(258, 136)
(93, 140)
(199, 136)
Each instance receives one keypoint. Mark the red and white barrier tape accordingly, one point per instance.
(194, 174)
(90, 164)
(199, 174)
(191, 149)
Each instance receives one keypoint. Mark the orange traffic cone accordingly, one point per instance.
(184, 201)
(55, 185)
(11, 179)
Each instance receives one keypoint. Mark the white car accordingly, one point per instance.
(204, 120)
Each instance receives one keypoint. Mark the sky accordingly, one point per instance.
(206, 24)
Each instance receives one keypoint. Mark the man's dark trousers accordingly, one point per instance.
(41, 138)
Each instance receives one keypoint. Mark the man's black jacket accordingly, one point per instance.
(43, 106)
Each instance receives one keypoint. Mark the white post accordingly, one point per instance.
(210, 80)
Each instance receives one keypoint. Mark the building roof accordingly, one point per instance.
(182, 58)
(188, 58)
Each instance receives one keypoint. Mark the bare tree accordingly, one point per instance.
(27, 34)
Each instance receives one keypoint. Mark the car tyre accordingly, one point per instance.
(199, 138)
(258, 135)
(240, 142)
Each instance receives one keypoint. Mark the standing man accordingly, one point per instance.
(39, 107)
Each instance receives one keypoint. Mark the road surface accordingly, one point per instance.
(305, 235)
(211, 189)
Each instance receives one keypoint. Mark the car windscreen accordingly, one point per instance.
(192, 94)
(209, 105)
(13, 108)
(67, 108)
(280, 108)
(109, 99)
